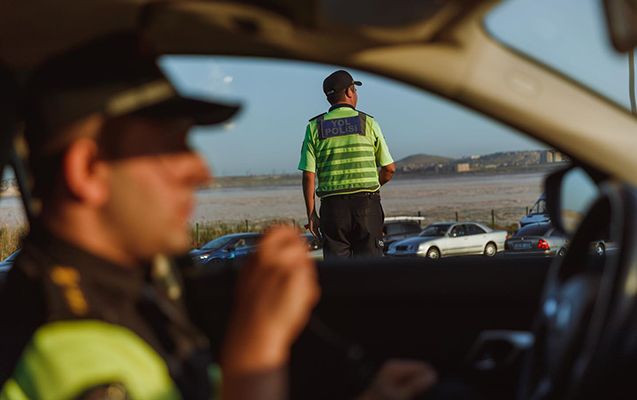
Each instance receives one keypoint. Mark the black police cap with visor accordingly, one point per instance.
(115, 76)
(338, 81)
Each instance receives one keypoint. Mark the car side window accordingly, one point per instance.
(457, 231)
(250, 241)
(472, 229)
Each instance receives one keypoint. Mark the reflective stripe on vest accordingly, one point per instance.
(345, 158)
(66, 358)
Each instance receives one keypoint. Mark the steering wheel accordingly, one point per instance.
(584, 331)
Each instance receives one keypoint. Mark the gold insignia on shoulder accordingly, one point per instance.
(69, 280)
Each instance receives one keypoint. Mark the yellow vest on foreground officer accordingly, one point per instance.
(345, 147)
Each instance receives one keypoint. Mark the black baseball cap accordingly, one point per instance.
(337, 81)
(115, 75)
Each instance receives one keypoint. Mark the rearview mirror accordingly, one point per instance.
(569, 194)
(621, 16)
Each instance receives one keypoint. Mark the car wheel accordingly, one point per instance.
(433, 253)
(599, 249)
(490, 249)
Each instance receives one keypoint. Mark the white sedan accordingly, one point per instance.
(451, 239)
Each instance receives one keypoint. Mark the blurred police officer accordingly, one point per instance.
(345, 148)
(92, 308)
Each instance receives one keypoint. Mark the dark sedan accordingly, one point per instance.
(399, 228)
(226, 247)
(540, 239)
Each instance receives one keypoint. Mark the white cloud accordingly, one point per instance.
(228, 79)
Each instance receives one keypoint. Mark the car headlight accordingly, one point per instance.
(204, 256)
(422, 247)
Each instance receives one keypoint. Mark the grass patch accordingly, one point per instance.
(10, 240)
(206, 231)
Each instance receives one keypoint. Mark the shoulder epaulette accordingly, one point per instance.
(361, 112)
(320, 115)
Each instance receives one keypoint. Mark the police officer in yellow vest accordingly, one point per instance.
(345, 148)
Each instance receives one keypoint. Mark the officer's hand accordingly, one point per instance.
(276, 292)
(313, 224)
(401, 380)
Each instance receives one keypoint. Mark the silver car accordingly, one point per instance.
(451, 239)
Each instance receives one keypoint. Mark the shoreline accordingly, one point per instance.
(283, 180)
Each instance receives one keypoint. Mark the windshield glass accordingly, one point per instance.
(580, 49)
(539, 207)
(216, 244)
(435, 230)
(533, 230)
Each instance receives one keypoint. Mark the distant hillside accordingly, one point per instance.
(501, 161)
(420, 162)
(505, 158)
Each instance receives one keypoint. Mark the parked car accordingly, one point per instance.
(399, 228)
(537, 214)
(315, 246)
(226, 247)
(451, 239)
(312, 242)
(540, 239)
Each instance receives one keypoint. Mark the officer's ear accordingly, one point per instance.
(84, 173)
(349, 92)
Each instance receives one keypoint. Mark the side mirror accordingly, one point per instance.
(569, 194)
(621, 16)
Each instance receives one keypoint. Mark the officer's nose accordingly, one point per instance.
(189, 168)
(199, 173)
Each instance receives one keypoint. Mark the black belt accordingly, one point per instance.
(353, 195)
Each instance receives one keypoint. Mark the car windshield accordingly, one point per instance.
(539, 207)
(402, 227)
(216, 244)
(569, 36)
(533, 230)
(435, 230)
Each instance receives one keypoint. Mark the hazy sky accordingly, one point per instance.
(280, 96)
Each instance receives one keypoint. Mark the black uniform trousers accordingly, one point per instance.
(352, 225)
